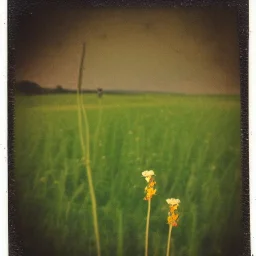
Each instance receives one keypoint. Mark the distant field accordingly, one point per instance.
(191, 142)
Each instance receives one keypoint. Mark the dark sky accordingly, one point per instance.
(191, 50)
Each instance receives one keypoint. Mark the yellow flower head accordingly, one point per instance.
(150, 190)
(172, 215)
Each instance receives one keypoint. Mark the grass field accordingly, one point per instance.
(192, 143)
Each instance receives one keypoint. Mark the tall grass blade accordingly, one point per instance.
(86, 150)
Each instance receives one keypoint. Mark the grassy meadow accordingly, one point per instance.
(191, 142)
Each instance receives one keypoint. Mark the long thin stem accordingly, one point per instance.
(86, 151)
(147, 228)
(169, 240)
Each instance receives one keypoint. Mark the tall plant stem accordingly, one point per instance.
(169, 240)
(86, 150)
(147, 228)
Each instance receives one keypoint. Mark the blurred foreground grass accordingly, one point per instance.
(192, 143)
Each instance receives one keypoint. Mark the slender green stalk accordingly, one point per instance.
(86, 150)
(147, 228)
(169, 241)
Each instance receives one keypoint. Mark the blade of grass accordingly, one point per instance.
(86, 150)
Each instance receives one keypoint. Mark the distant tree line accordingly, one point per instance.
(32, 88)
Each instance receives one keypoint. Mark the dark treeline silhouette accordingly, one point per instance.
(28, 87)
(32, 88)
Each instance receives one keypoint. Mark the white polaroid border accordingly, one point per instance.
(3, 132)
(4, 128)
(252, 121)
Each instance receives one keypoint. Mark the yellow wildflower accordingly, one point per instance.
(149, 189)
(172, 215)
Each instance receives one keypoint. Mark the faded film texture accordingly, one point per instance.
(127, 132)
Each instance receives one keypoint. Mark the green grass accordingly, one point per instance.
(191, 142)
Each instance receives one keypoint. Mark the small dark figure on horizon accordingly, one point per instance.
(100, 92)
